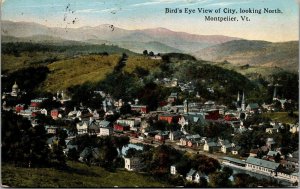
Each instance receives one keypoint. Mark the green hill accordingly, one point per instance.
(20, 55)
(254, 53)
(78, 70)
(78, 175)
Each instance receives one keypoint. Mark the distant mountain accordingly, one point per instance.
(44, 39)
(255, 53)
(154, 46)
(158, 39)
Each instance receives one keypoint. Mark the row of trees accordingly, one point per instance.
(102, 151)
(24, 145)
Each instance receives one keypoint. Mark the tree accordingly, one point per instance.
(183, 166)
(141, 72)
(120, 142)
(242, 180)
(125, 109)
(203, 182)
(277, 105)
(289, 107)
(62, 135)
(145, 52)
(228, 171)
(277, 158)
(132, 152)
(73, 154)
(163, 157)
(219, 179)
(151, 53)
(57, 155)
(23, 144)
(205, 164)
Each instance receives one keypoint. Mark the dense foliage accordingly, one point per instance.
(17, 48)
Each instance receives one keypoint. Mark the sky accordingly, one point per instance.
(142, 14)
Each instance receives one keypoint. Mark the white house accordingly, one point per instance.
(194, 176)
(210, 146)
(133, 164)
(105, 131)
(131, 122)
(44, 111)
(82, 127)
(294, 128)
(175, 135)
(173, 170)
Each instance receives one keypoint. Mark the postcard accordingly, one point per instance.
(157, 93)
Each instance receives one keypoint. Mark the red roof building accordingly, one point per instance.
(119, 127)
(230, 117)
(170, 118)
(212, 115)
(20, 107)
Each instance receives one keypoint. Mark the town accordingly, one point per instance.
(234, 139)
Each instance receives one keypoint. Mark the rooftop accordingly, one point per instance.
(262, 163)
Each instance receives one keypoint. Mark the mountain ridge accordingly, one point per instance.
(179, 40)
(254, 53)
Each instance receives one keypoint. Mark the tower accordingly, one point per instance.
(243, 102)
(275, 93)
(136, 101)
(15, 89)
(238, 97)
(185, 107)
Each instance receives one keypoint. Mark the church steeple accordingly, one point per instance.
(243, 102)
(238, 97)
(15, 89)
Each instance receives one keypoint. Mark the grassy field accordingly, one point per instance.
(141, 61)
(11, 63)
(79, 175)
(74, 71)
(282, 117)
(251, 71)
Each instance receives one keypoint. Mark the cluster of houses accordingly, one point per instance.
(189, 113)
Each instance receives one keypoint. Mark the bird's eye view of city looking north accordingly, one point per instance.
(136, 93)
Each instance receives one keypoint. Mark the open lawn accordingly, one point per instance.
(78, 70)
(282, 117)
(11, 63)
(78, 175)
(143, 62)
(251, 71)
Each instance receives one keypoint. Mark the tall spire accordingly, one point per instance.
(238, 97)
(243, 99)
(243, 102)
(275, 93)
